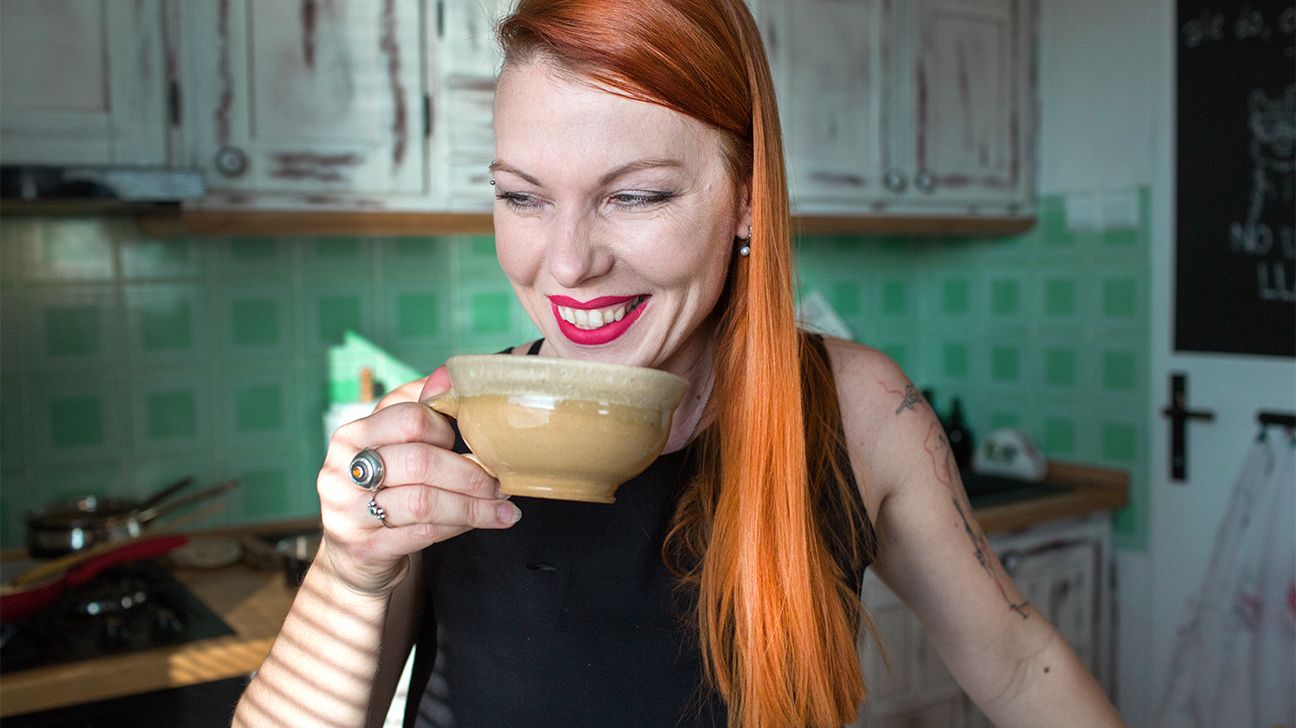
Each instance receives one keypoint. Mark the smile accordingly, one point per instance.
(597, 321)
(594, 318)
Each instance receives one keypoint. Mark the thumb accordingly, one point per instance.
(436, 383)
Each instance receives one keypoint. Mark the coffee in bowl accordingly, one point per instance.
(560, 428)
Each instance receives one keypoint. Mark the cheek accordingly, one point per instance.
(520, 262)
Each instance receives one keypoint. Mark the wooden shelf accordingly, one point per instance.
(262, 222)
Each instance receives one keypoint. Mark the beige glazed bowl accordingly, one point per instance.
(560, 428)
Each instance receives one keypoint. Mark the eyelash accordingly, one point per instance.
(524, 201)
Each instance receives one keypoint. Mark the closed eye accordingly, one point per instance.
(519, 200)
(641, 198)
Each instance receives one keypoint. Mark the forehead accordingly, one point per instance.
(546, 124)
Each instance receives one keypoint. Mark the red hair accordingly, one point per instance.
(776, 614)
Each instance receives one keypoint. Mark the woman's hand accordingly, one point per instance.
(429, 492)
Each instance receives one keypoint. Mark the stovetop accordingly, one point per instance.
(132, 607)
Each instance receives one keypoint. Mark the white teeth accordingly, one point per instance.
(599, 317)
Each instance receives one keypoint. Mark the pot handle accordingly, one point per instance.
(145, 548)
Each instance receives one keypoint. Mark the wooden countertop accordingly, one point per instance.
(255, 602)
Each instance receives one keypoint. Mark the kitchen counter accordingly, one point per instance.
(255, 602)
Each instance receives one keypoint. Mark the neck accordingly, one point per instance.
(689, 415)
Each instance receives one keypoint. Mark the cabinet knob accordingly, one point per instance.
(925, 181)
(230, 161)
(895, 180)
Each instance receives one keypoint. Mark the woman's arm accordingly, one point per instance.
(934, 556)
(338, 656)
(345, 640)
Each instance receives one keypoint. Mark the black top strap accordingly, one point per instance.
(535, 347)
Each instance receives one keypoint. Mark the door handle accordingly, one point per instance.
(1179, 415)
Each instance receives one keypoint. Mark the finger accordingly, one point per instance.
(436, 383)
(401, 422)
(418, 463)
(407, 392)
(407, 505)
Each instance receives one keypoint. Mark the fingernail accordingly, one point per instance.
(509, 513)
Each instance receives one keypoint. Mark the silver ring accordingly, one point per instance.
(378, 511)
(367, 470)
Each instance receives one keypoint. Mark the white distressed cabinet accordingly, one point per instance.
(923, 107)
(467, 61)
(1061, 568)
(319, 101)
(84, 82)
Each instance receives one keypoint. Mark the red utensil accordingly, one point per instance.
(19, 602)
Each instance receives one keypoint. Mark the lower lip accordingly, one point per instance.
(603, 334)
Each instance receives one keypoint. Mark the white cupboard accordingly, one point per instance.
(322, 101)
(84, 82)
(926, 107)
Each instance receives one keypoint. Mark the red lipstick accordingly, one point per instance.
(604, 334)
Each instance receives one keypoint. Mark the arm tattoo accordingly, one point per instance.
(909, 399)
(942, 460)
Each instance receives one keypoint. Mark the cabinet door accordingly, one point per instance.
(308, 97)
(468, 61)
(832, 98)
(82, 82)
(972, 118)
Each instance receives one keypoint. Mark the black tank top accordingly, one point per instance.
(569, 618)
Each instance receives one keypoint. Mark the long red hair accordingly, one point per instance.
(776, 615)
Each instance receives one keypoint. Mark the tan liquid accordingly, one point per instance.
(561, 448)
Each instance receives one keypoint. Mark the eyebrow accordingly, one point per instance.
(498, 166)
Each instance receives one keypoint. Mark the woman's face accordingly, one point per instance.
(614, 219)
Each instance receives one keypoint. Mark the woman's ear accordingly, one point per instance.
(744, 218)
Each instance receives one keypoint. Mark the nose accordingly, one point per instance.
(573, 255)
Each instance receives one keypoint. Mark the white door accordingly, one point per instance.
(1185, 515)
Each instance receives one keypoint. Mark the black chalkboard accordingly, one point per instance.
(1235, 269)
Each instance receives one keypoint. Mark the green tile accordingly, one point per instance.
(1059, 436)
(144, 259)
(1060, 367)
(955, 296)
(1120, 237)
(1119, 298)
(337, 249)
(490, 312)
(1060, 296)
(72, 249)
(416, 314)
(336, 315)
(1053, 224)
(71, 331)
(166, 327)
(1005, 297)
(895, 297)
(845, 298)
(1004, 419)
(1119, 442)
(265, 491)
(483, 246)
(255, 322)
(954, 360)
(1119, 370)
(415, 248)
(1005, 364)
(253, 250)
(76, 422)
(258, 408)
(171, 414)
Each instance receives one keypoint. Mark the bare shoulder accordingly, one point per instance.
(886, 420)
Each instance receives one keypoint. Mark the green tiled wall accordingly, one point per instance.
(1045, 331)
(128, 362)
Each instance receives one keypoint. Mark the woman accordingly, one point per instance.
(642, 218)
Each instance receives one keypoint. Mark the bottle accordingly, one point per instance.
(960, 438)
